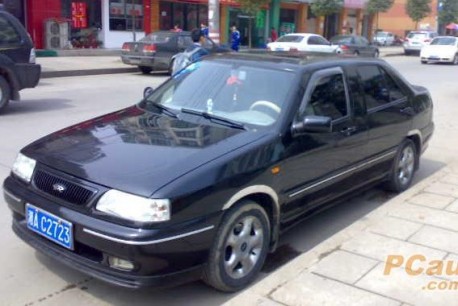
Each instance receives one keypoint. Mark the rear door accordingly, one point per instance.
(14, 42)
(319, 44)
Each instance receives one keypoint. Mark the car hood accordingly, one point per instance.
(136, 151)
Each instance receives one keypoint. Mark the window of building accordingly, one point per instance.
(187, 16)
(126, 15)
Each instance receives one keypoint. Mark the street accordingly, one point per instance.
(30, 278)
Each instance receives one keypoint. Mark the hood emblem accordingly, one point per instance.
(59, 187)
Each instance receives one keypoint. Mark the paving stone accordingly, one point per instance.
(380, 247)
(395, 227)
(426, 215)
(451, 178)
(252, 299)
(443, 189)
(309, 289)
(407, 288)
(344, 266)
(437, 238)
(431, 200)
(453, 207)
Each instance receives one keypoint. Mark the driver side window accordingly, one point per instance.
(328, 97)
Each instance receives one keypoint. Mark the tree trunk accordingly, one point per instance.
(249, 32)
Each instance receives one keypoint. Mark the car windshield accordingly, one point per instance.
(157, 37)
(417, 35)
(444, 41)
(238, 92)
(341, 39)
(291, 38)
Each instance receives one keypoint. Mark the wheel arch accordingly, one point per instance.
(415, 136)
(267, 198)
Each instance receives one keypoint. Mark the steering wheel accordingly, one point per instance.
(267, 104)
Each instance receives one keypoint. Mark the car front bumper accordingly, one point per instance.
(436, 59)
(161, 257)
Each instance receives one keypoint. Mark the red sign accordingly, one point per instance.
(79, 15)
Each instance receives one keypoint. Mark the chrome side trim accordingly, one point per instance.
(418, 133)
(342, 173)
(15, 198)
(251, 190)
(131, 242)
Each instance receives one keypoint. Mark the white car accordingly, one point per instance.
(442, 49)
(302, 42)
(415, 40)
(383, 38)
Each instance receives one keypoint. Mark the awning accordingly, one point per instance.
(452, 26)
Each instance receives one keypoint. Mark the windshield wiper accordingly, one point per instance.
(215, 118)
(164, 109)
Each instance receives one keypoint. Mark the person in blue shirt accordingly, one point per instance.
(192, 54)
(235, 38)
(203, 29)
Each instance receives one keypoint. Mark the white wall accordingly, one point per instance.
(114, 39)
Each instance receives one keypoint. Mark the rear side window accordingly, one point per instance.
(378, 86)
(157, 38)
(291, 38)
(317, 40)
(8, 33)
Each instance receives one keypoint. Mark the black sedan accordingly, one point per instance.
(355, 45)
(200, 178)
(157, 50)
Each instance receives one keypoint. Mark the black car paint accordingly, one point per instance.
(204, 180)
(14, 59)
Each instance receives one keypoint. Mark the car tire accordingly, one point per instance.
(404, 166)
(5, 93)
(356, 53)
(240, 248)
(455, 60)
(406, 52)
(170, 71)
(145, 69)
(376, 54)
(424, 62)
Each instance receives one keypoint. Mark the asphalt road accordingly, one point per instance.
(29, 278)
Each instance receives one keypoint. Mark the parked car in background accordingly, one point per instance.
(18, 69)
(415, 40)
(200, 178)
(302, 42)
(156, 51)
(382, 38)
(442, 49)
(355, 45)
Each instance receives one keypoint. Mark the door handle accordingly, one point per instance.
(348, 130)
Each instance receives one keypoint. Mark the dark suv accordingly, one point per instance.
(200, 178)
(17, 59)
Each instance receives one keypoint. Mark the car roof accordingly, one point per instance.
(296, 61)
(302, 34)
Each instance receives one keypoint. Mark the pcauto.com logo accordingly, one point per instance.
(416, 265)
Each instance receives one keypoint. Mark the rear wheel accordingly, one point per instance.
(403, 169)
(376, 53)
(239, 249)
(5, 93)
(356, 53)
(145, 69)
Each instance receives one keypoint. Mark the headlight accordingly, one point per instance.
(134, 208)
(23, 167)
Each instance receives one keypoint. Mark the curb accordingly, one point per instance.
(69, 73)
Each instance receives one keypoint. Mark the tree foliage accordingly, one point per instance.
(326, 7)
(378, 6)
(448, 12)
(418, 9)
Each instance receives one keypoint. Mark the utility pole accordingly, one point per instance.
(213, 20)
(134, 34)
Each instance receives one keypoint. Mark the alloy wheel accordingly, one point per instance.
(406, 165)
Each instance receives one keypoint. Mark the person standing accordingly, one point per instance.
(176, 28)
(204, 30)
(235, 38)
(273, 35)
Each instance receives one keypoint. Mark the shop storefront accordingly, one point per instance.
(187, 15)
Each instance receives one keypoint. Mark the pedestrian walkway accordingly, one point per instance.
(403, 253)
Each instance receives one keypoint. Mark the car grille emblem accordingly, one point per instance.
(59, 187)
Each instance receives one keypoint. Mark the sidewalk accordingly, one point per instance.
(92, 62)
(416, 233)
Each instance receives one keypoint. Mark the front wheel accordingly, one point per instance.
(455, 59)
(239, 249)
(5, 93)
(403, 169)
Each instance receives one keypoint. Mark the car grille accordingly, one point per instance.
(62, 188)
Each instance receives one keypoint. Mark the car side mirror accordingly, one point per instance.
(312, 124)
(147, 91)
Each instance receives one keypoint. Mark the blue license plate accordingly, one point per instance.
(49, 226)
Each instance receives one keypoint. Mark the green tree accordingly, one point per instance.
(418, 9)
(326, 8)
(378, 6)
(251, 8)
(448, 12)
